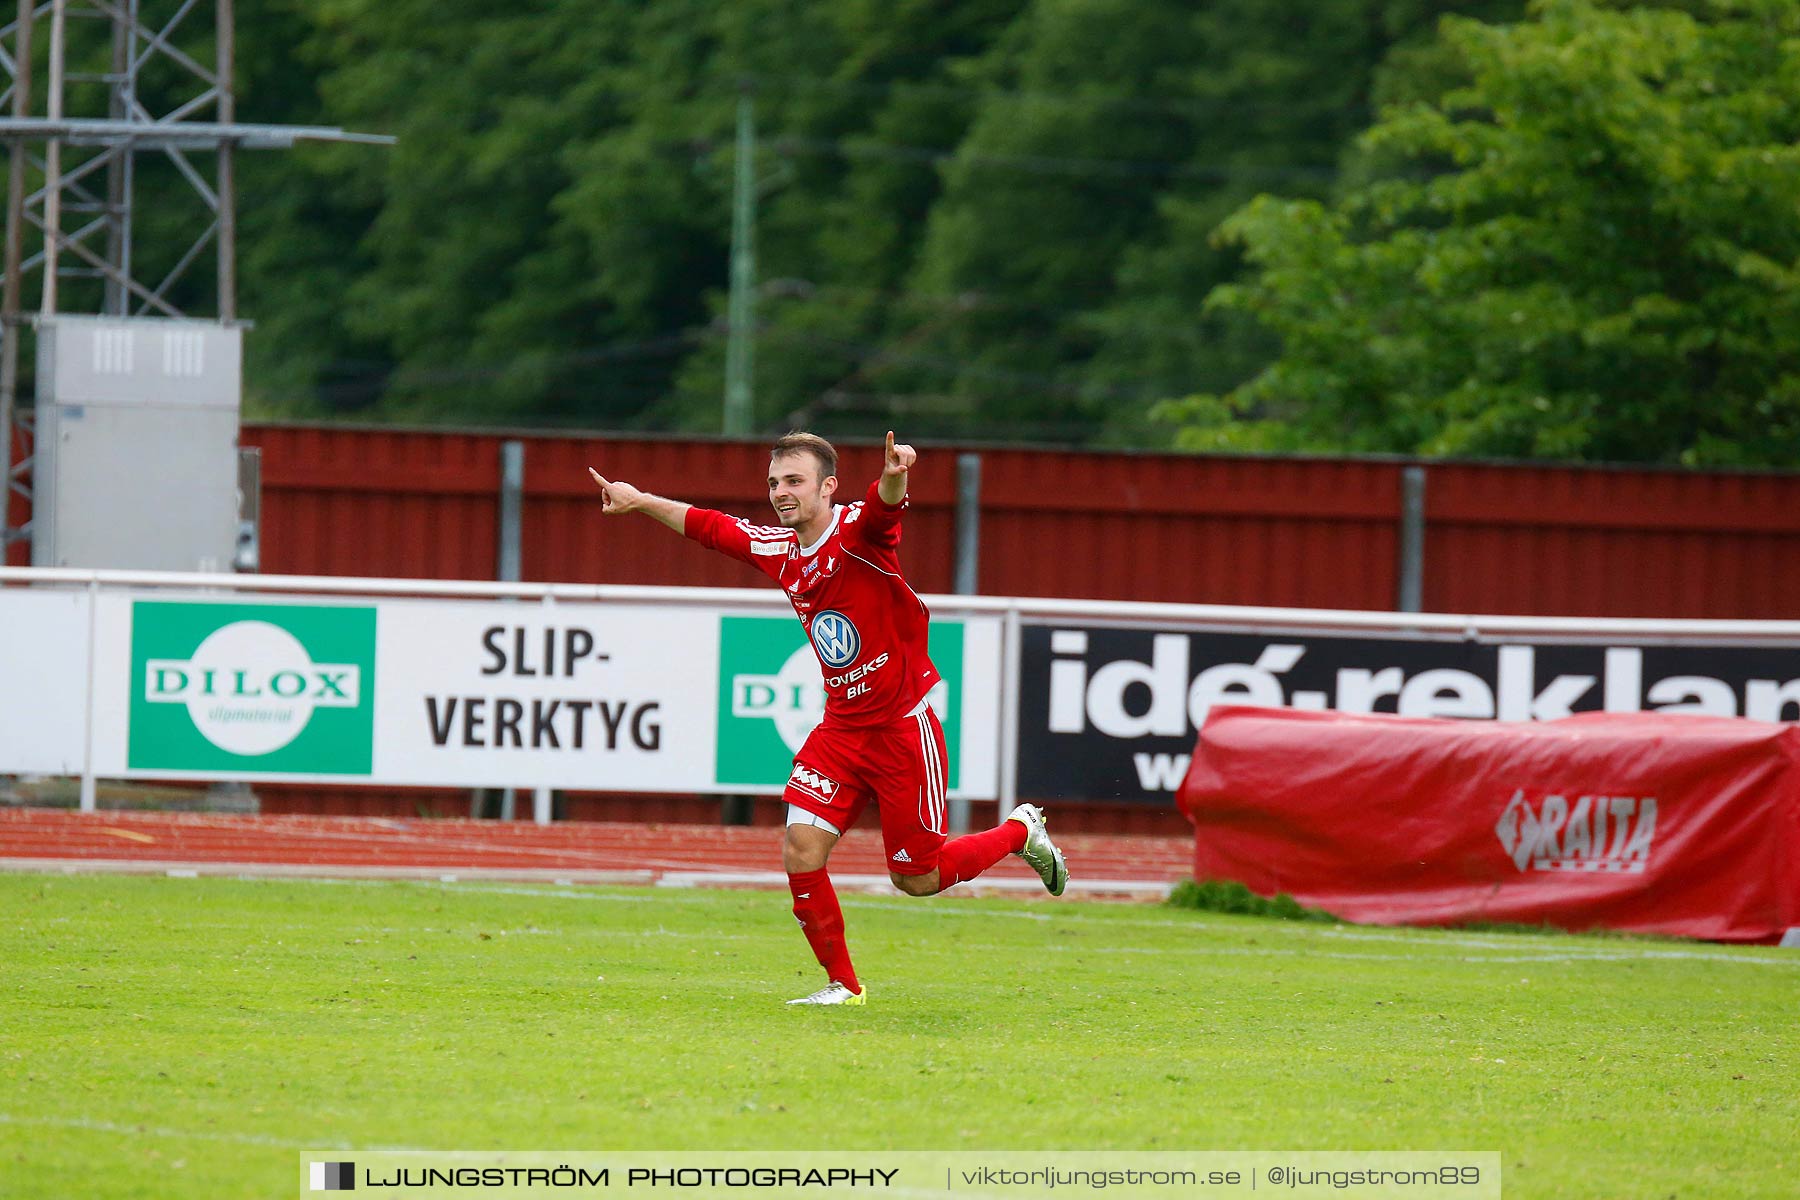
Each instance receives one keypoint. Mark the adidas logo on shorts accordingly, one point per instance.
(902, 856)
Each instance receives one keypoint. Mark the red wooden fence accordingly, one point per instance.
(1321, 533)
(1316, 533)
(15, 506)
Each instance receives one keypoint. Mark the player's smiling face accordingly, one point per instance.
(801, 493)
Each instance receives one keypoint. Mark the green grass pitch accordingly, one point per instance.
(185, 1037)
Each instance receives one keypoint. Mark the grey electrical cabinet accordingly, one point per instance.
(137, 455)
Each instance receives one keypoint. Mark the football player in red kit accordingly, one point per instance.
(880, 740)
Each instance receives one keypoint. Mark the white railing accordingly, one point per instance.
(45, 649)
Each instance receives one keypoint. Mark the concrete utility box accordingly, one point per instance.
(137, 455)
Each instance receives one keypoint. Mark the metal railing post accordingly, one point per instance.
(968, 524)
(1411, 597)
(512, 511)
(1010, 653)
(89, 788)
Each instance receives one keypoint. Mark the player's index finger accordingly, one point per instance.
(890, 444)
(598, 477)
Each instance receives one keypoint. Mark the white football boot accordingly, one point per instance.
(834, 993)
(1039, 850)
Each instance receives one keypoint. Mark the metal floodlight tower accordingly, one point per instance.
(86, 165)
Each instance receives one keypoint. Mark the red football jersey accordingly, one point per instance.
(866, 625)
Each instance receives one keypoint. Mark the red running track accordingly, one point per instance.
(576, 852)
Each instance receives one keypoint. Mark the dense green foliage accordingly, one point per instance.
(1587, 246)
(187, 1037)
(1412, 226)
(981, 218)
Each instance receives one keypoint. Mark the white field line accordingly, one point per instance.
(554, 889)
(506, 891)
(684, 877)
(881, 884)
(1424, 939)
(939, 910)
(191, 870)
(1546, 956)
(686, 888)
(439, 933)
(1549, 956)
(239, 1139)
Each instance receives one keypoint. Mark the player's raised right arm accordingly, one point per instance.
(617, 497)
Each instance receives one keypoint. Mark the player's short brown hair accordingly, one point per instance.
(808, 443)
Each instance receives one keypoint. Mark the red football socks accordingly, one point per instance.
(816, 908)
(971, 854)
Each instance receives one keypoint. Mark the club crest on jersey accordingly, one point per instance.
(820, 787)
(835, 638)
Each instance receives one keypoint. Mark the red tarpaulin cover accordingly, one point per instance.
(1649, 822)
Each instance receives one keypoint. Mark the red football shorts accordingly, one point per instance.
(901, 766)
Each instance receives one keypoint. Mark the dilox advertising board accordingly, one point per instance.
(493, 693)
(690, 691)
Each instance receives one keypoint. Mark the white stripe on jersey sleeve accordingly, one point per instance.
(775, 532)
(767, 539)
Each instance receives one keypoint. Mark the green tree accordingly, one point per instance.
(981, 218)
(302, 217)
(1287, 86)
(854, 101)
(1588, 248)
(1086, 116)
(481, 284)
(548, 241)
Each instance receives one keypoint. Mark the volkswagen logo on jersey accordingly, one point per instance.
(835, 638)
